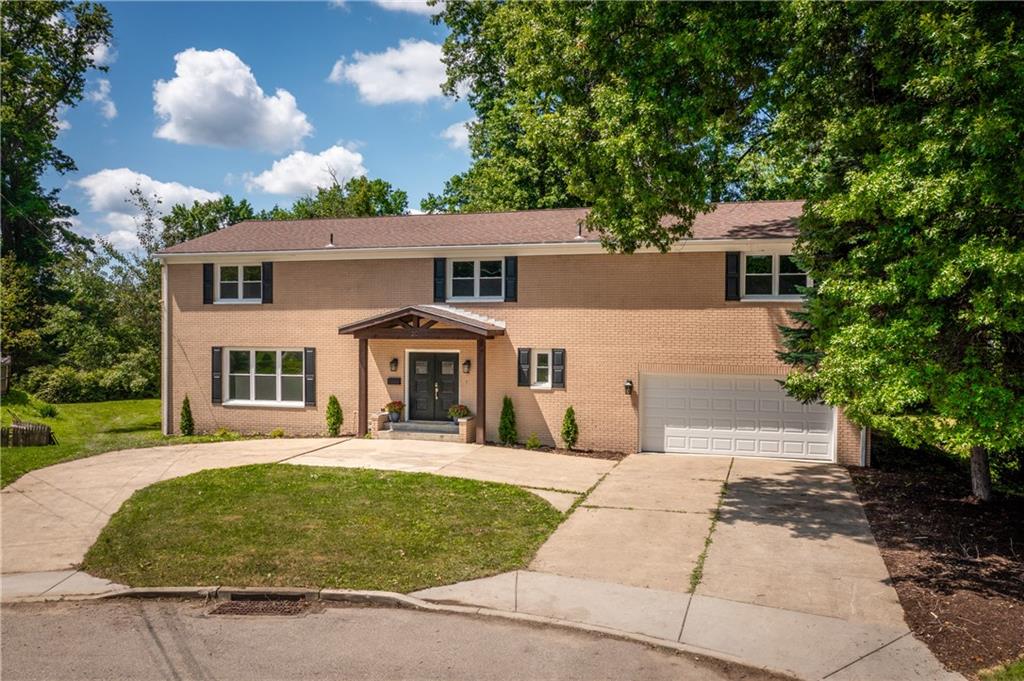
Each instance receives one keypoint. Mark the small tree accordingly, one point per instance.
(507, 425)
(570, 431)
(188, 426)
(335, 418)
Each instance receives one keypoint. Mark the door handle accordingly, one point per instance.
(435, 391)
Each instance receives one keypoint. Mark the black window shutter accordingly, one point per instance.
(440, 271)
(511, 278)
(207, 283)
(217, 385)
(732, 275)
(558, 368)
(310, 354)
(268, 282)
(524, 366)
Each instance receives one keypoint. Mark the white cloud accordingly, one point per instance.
(414, 6)
(214, 99)
(101, 96)
(302, 172)
(338, 4)
(103, 54)
(411, 72)
(457, 134)
(108, 190)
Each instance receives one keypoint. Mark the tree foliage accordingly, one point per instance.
(47, 48)
(202, 217)
(358, 197)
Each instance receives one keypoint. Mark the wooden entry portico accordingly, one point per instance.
(421, 322)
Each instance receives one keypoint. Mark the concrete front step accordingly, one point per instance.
(418, 435)
(424, 426)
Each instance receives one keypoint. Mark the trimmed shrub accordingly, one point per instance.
(533, 442)
(277, 432)
(187, 426)
(334, 416)
(570, 431)
(507, 424)
(458, 411)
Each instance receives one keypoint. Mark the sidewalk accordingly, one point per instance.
(805, 645)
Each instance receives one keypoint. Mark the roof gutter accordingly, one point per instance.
(549, 248)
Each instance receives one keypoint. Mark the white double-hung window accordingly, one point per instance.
(482, 279)
(265, 377)
(239, 284)
(541, 369)
(776, 276)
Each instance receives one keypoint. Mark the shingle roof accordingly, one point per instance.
(741, 220)
(478, 323)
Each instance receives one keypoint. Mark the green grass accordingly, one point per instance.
(84, 430)
(1014, 671)
(284, 525)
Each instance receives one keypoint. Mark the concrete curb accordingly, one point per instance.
(389, 599)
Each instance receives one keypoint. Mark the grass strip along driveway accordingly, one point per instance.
(284, 525)
(85, 429)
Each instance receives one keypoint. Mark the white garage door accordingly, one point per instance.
(731, 415)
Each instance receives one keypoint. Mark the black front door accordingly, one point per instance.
(433, 385)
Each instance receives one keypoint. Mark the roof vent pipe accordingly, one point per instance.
(331, 244)
(579, 230)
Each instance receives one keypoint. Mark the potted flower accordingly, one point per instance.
(458, 411)
(394, 410)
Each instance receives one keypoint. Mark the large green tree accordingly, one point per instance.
(901, 123)
(907, 120)
(46, 48)
(184, 222)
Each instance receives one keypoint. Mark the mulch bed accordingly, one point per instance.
(586, 453)
(957, 565)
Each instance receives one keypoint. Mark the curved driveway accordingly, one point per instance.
(50, 517)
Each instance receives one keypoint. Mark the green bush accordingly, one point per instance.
(277, 433)
(130, 378)
(570, 431)
(226, 434)
(335, 418)
(533, 442)
(46, 410)
(187, 426)
(458, 411)
(507, 424)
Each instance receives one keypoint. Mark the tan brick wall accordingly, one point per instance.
(615, 315)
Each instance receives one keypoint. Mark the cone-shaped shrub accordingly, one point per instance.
(187, 426)
(570, 431)
(334, 416)
(507, 425)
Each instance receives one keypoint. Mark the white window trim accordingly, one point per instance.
(226, 373)
(534, 383)
(237, 301)
(774, 295)
(476, 280)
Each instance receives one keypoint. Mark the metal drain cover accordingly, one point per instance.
(279, 607)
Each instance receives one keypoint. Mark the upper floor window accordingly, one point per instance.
(772, 276)
(240, 283)
(476, 279)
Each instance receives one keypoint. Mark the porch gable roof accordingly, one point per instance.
(418, 321)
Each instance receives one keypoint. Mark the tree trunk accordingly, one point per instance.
(981, 475)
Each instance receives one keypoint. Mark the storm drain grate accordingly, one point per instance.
(279, 607)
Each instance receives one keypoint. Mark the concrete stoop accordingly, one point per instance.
(783, 641)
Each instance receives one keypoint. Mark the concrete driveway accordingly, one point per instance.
(790, 535)
(50, 517)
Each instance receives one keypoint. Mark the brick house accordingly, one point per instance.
(672, 352)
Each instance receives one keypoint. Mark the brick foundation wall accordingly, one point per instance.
(617, 316)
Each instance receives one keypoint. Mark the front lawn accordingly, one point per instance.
(282, 525)
(83, 430)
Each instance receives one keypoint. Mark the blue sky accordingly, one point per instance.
(203, 99)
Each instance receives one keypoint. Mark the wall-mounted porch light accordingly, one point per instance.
(393, 364)
(465, 367)
(628, 385)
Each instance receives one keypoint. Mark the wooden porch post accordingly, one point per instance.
(363, 416)
(481, 391)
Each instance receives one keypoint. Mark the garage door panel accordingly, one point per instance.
(742, 416)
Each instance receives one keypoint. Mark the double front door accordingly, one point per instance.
(433, 385)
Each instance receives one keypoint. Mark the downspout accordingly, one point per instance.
(863, 447)
(165, 353)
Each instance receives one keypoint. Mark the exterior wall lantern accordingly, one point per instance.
(628, 385)
(465, 366)
(393, 364)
